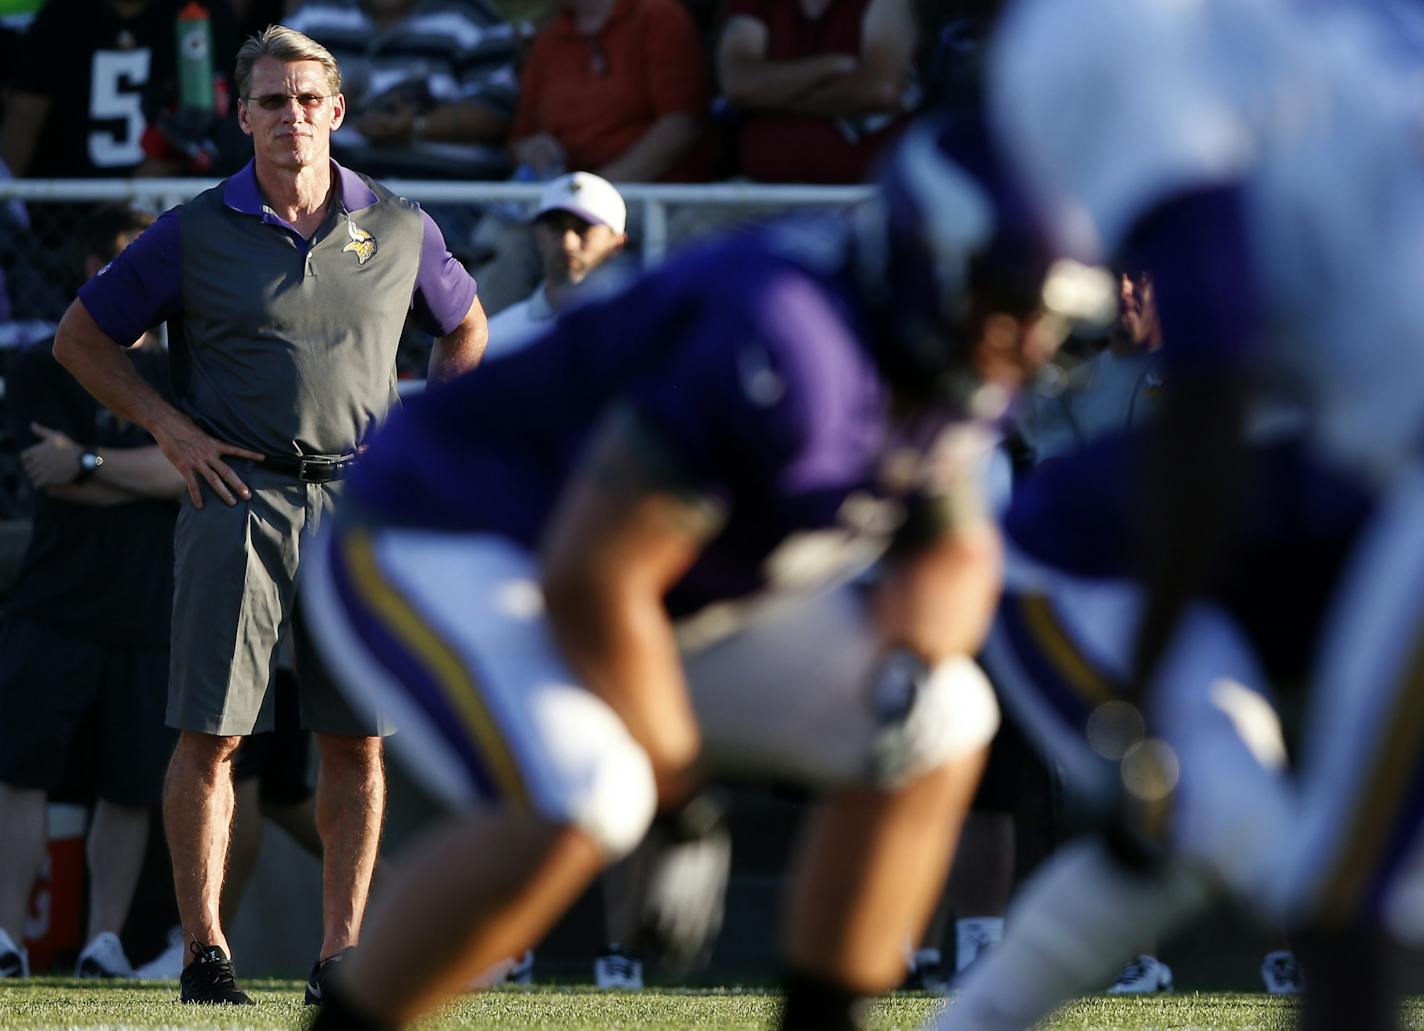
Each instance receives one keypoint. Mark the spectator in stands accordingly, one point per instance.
(818, 86)
(1110, 392)
(86, 632)
(578, 228)
(616, 87)
(95, 93)
(93, 79)
(432, 84)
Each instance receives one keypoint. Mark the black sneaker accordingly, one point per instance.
(320, 977)
(208, 978)
(12, 964)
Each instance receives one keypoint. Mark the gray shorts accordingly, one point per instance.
(234, 599)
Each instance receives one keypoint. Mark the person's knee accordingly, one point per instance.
(621, 798)
(358, 755)
(953, 715)
(204, 751)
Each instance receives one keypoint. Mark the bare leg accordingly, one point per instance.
(474, 890)
(869, 873)
(197, 817)
(350, 805)
(117, 841)
(24, 832)
(246, 844)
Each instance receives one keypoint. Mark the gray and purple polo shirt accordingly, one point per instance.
(278, 343)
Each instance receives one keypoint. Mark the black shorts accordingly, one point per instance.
(53, 680)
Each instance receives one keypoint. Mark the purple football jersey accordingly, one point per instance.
(749, 361)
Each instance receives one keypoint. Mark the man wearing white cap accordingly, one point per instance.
(579, 225)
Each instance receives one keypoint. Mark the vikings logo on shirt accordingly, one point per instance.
(362, 242)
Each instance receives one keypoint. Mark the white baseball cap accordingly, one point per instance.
(590, 197)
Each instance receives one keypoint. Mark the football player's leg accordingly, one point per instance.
(1068, 932)
(787, 699)
(868, 872)
(1054, 659)
(445, 635)
(1356, 875)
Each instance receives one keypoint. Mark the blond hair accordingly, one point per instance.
(285, 45)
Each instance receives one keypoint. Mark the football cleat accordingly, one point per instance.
(974, 937)
(14, 959)
(927, 974)
(617, 968)
(522, 972)
(103, 957)
(1282, 973)
(1145, 975)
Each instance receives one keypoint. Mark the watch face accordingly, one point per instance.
(89, 461)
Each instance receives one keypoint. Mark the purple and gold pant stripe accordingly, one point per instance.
(1387, 807)
(437, 680)
(1068, 680)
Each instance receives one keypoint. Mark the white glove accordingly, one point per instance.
(685, 884)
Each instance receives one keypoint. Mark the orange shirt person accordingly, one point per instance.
(617, 87)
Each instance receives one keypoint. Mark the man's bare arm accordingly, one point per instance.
(464, 121)
(654, 152)
(881, 75)
(100, 366)
(127, 473)
(460, 350)
(751, 81)
(940, 601)
(828, 84)
(142, 471)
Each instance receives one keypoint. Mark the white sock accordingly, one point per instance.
(974, 935)
(1074, 924)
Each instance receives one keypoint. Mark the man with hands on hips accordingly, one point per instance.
(285, 289)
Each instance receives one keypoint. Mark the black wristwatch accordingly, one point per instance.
(89, 463)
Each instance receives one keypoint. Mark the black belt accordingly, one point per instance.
(309, 468)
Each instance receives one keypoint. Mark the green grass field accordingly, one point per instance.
(46, 1003)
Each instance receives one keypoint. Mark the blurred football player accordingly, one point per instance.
(1060, 655)
(1263, 161)
(619, 564)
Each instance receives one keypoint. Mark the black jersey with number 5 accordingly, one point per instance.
(106, 75)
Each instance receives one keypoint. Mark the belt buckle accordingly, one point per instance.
(314, 470)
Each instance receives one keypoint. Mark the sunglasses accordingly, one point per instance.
(277, 101)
